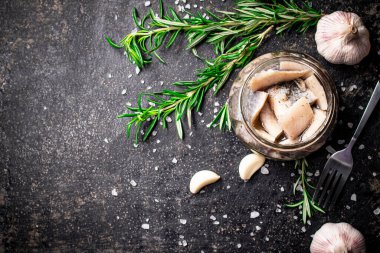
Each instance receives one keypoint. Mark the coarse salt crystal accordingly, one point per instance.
(106, 140)
(114, 192)
(303, 229)
(130, 75)
(282, 189)
(216, 222)
(156, 168)
(330, 149)
(147, 3)
(182, 221)
(123, 92)
(168, 119)
(212, 217)
(225, 216)
(353, 197)
(258, 228)
(340, 142)
(376, 211)
(238, 245)
(267, 238)
(174, 160)
(254, 214)
(278, 210)
(135, 145)
(264, 170)
(137, 70)
(361, 146)
(154, 150)
(350, 125)
(133, 182)
(145, 226)
(184, 243)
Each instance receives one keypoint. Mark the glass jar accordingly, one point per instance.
(243, 128)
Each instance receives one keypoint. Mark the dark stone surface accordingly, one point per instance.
(62, 151)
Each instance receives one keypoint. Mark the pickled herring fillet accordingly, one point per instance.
(301, 84)
(270, 77)
(279, 99)
(318, 120)
(260, 131)
(290, 65)
(269, 121)
(313, 84)
(255, 102)
(297, 118)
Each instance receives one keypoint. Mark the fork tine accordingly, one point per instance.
(320, 183)
(332, 189)
(326, 187)
(339, 189)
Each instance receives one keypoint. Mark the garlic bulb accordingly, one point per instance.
(337, 238)
(342, 38)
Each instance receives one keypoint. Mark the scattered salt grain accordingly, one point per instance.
(330, 149)
(267, 238)
(216, 222)
(216, 104)
(264, 170)
(181, 236)
(105, 140)
(149, 87)
(278, 210)
(352, 87)
(361, 146)
(145, 226)
(225, 216)
(282, 189)
(158, 141)
(154, 150)
(168, 119)
(254, 214)
(361, 107)
(135, 145)
(292, 174)
(200, 114)
(353, 197)
(182, 221)
(309, 174)
(174, 160)
(295, 217)
(212, 217)
(114, 192)
(130, 75)
(215, 110)
(156, 168)
(348, 207)
(228, 187)
(137, 70)
(109, 75)
(303, 229)
(376, 211)
(350, 125)
(340, 142)
(128, 104)
(309, 223)
(133, 183)
(317, 173)
(258, 228)
(369, 157)
(147, 3)
(123, 92)
(374, 174)
(238, 245)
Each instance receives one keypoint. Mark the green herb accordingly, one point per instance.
(249, 17)
(308, 205)
(191, 93)
(235, 37)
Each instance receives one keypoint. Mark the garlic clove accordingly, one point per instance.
(342, 38)
(250, 164)
(337, 238)
(201, 179)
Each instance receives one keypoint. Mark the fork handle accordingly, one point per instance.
(367, 113)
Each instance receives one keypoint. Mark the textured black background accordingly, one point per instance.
(62, 150)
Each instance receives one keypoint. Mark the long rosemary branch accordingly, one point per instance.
(235, 37)
(192, 92)
(307, 203)
(249, 17)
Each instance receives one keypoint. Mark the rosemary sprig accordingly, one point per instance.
(235, 37)
(191, 95)
(308, 205)
(249, 17)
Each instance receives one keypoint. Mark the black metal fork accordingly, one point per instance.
(339, 165)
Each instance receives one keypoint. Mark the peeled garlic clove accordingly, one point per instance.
(201, 179)
(250, 164)
(270, 77)
(337, 237)
(342, 38)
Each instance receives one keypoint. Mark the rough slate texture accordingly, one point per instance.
(62, 152)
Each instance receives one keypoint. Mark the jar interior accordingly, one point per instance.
(274, 64)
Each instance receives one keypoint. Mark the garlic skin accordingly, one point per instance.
(337, 238)
(342, 38)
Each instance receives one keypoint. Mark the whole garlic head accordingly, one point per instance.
(342, 38)
(337, 238)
